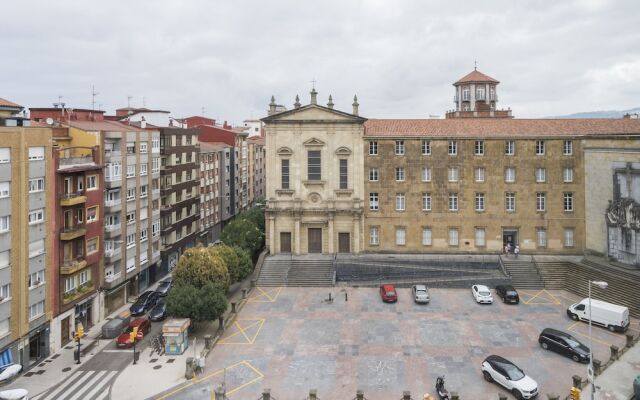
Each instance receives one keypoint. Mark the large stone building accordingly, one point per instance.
(471, 183)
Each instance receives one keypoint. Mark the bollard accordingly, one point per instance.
(313, 394)
(189, 368)
(266, 394)
(233, 307)
(244, 293)
(597, 367)
(502, 397)
(221, 323)
(454, 396)
(406, 395)
(220, 393)
(629, 340)
(359, 395)
(208, 341)
(615, 352)
(254, 282)
(577, 381)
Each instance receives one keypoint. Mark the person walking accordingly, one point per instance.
(516, 251)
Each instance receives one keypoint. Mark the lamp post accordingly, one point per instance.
(590, 374)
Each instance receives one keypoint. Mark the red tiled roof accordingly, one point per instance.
(212, 146)
(7, 103)
(500, 128)
(109, 126)
(476, 76)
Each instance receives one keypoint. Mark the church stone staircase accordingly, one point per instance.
(304, 270)
(523, 272)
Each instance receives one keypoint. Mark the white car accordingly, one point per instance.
(420, 294)
(508, 375)
(14, 394)
(482, 294)
(9, 371)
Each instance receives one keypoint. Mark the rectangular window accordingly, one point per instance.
(36, 216)
(36, 153)
(541, 237)
(426, 174)
(426, 201)
(5, 291)
(92, 182)
(567, 148)
(539, 147)
(373, 201)
(131, 194)
(143, 191)
(453, 201)
(399, 147)
(155, 229)
(143, 169)
(510, 174)
(92, 245)
(143, 147)
(155, 165)
(480, 237)
(453, 174)
(36, 185)
(399, 174)
(509, 147)
(5, 155)
(344, 174)
(373, 148)
(155, 144)
(479, 201)
(568, 237)
(373, 174)
(80, 184)
(479, 148)
(131, 170)
(131, 217)
(284, 165)
(314, 165)
(69, 284)
(143, 235)
(5, 223)
(36, 310)
(426, 237)
(92, 214)
(400, 200)
(510, 201)
(131, 148)
(567, 175)
(5, 258)
(478, 174)
(568, 201)
(5, 189)
(426, 147)
(112, 171)
(131, 240)
(374, 235)
(541, 202)
(541, 175)
(453, 237)
(5, 326)
(131, 264)
(36, 248)
(400, 236)
(453, 147)
(36, 278)
(84, 276)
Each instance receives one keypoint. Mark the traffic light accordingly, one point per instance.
(574, 394)
(79, 333)
(133, 334)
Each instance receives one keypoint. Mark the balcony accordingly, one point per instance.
(75, 294)
(112, 254)
(70, 267)
(77, 158)
(72, 199)
(72, 232)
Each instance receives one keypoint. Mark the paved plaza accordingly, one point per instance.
(292, 339)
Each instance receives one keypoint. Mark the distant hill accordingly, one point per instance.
(601, 114)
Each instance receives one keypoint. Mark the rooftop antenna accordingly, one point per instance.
(144, 101)
(313, 83)
(93, 97)
(129, 101)
(99, 106)
(475, 65)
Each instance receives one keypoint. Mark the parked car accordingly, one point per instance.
(508, 294)
(482, 294)
(563, 343)
(508, 375)
(144, 326)
(159, 311)
(388, 293)
(164, 287)
(14, 394)
(144, 303)
(610, 316)
(420, 294)
(7, 372)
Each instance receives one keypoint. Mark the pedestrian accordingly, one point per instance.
(508, 248)
(516, 251)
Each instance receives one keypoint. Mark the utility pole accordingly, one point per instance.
(93, 97)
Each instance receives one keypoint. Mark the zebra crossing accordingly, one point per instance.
(81, 385)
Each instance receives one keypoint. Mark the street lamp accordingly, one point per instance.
(590, 375)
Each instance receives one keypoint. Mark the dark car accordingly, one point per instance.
(164, 287)
(144, 303)
(159, 311)
(143, 325)
(508, 294)
(388, 293)
(563, 343)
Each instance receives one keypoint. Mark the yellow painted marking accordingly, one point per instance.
(551, 300)
(586, 335)
(218, 372)
(268, 296)
(242, 330)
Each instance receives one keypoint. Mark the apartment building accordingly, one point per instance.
(25, 238)
(256, 159)
(214, 190)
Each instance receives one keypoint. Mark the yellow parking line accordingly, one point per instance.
(536, 295)
(266, 294)
(254, 380)
(243, 331)
(592, 338)
(194, 381)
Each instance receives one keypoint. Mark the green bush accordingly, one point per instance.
(203, 304)
(244, 234)
(198, 267)
(230, 259)
(245, 265)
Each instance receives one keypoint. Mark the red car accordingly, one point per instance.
(144, 326)
(388, 293)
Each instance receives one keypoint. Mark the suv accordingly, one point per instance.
(508, 294)
(507, 374)
(144, 303)
(563, 343)
(388, 293)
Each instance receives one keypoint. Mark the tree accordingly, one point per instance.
(230, 259)
(243, 233)
(198, 267)
(204, 304)
(255, 215)
(245, 265)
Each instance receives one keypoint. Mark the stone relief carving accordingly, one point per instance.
(624, 213)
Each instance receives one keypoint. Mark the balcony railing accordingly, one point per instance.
(71, 199)
(79, 292)
(110, 228)
(112, 277)
(72, 232)
(112, 252)
(72, 266)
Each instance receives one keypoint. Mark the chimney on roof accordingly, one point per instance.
(330, 103)
(314, 96)
(355, 105)
(297, 103)
(272, 106)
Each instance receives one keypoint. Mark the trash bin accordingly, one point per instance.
(189, 368)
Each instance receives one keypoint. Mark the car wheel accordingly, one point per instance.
(487, 376)
(516, 393)
(575, 358)
(611, 328)
(574, 317)
(544, 345)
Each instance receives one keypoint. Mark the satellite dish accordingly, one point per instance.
(49, 121)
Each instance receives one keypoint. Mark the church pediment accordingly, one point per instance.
(313, 142)
(285, 151)
(343, 151)
(314, 113)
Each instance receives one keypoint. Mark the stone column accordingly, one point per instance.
(330, 234)
(356, 235)
(487, 101)
(472, 97)
(459, 98)
(296, 237)
(272, 233)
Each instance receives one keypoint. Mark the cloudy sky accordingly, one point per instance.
(400, 57)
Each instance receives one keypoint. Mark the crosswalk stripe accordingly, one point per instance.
(102, 395)
(70, 389)
(104, 383)
(61, 386)
(90, 384)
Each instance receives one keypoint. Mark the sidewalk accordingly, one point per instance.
(616, 382)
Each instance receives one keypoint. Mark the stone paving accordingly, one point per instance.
(292, 340)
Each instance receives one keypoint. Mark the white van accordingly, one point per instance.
(610, 316)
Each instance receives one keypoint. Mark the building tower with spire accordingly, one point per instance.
(476, 96)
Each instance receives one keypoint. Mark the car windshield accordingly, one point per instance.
(421, 291)
(572, 342)
(511, 293)
(391, 293)
(483, 293)
(514, 373)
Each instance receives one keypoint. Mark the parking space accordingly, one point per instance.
(299, 340)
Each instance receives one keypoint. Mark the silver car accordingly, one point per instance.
(420, 294)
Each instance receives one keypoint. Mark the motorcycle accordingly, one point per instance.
(442, 392)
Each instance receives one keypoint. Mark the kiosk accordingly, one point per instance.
(175, 332)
